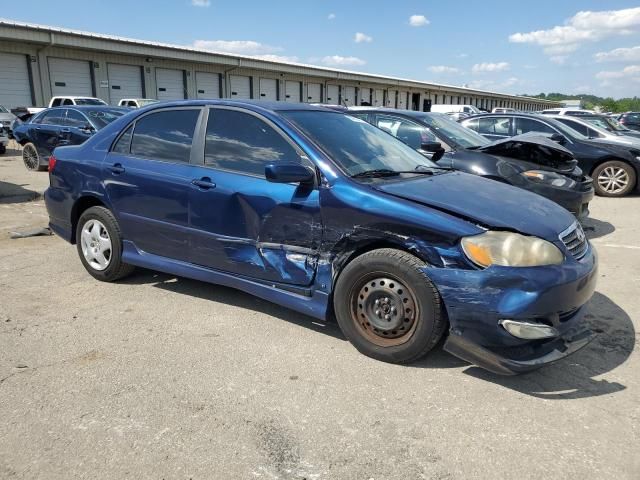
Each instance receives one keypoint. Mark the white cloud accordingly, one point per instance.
(278, 58)
(443, 69)
(630, 72)
(418, 21)
(340, 61)
(331, 16)
(201, 3)
(362, 38)
(490, 67)
(240, 47)
(631, 54)
(559, 59)
(585, 26)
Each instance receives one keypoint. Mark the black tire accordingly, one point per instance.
(603, 172)
(116, 268)
(31, 158)
(394, 278)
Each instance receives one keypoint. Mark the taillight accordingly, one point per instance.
(52, 163)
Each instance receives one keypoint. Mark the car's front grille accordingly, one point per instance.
(575, 240)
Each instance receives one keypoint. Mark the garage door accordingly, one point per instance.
(207, 85)
(313, 93)
(365, 96)
(268, 89)
(391, 98)
(170, 84)
(402, 100)
(15, 89)
(333, 94)
(292, 91)
(378, 98)
(125, 81)
(348, 96)
(240, 86)
(70, 77)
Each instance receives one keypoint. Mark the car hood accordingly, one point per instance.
(487, 202)
(533, 148)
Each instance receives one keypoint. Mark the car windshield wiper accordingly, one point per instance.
(378, 172)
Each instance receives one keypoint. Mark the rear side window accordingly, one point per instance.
(76, 119)
(56, 102)
(123, 145)
(165, 135)
(68, 101)
(526, 125)
(576, 126)
(243, 143)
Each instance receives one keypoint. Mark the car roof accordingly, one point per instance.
(250, 104)
(510, 114)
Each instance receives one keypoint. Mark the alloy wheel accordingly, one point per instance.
(30, 157)
(613, 179)
(96, 245)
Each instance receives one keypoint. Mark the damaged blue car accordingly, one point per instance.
(325, 214)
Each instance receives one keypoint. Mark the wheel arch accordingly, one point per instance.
(83, 203)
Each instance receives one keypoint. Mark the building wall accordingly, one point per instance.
(39, 54)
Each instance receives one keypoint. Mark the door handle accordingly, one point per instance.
(204, 183)
(117, 169)
(65, 130)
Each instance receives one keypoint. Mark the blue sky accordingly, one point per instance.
(509, 46)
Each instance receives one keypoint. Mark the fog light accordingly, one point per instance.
(528, 331)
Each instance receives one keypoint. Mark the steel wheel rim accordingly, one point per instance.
(96, 244)
(384, 309)
(30, 157)
(613, 179)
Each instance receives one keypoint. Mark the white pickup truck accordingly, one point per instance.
(67, 100)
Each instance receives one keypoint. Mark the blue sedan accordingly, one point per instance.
(325, 214)
(59, 126)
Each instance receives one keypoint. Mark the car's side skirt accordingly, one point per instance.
(304, 300)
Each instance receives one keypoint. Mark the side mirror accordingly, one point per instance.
(558, 138)
(289, 173)
(434, 148)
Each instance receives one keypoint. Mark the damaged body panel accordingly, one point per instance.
(291, 242)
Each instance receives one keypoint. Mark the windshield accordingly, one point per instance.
(566, 130)
(89, 101)
(354, 145)
(452, 131)
(102, 118)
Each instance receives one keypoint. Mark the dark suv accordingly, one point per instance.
(631, 120)
(613, 167)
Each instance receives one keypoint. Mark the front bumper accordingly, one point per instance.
(575, 199)
(477, 300)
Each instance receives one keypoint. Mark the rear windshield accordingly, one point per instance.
(102, 118)
(88, 101)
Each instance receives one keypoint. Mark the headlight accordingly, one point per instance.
(550, 178)
(510, 250)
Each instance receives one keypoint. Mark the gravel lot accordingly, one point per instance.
(166, 378)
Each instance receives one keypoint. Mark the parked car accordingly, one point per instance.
(608, 123)
(136, 102)
(630, 120)
(6, 122)
(530, 162)
(614, 168)
(323, 213)
(446, 108)
(59, 126)
(594, 131)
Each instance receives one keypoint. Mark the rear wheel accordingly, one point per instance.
(99, 244)
(387, 306)
(31, 158)
(614, 179)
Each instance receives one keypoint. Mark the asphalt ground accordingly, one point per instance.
(167, 378)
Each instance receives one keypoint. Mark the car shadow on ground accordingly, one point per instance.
(14, 193)
(230, 296)
(594, 228)
(574, 377)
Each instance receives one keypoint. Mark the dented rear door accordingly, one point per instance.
(241, 223)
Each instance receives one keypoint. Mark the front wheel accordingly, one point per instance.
(99, 244)
(614, 179)
(387, 307)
